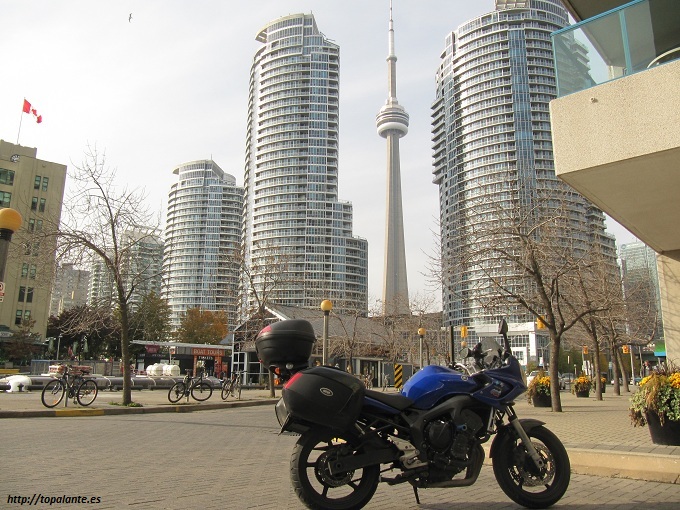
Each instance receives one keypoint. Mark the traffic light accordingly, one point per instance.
(463, 332)
(585, 349)
(626, 349)
(539, 323)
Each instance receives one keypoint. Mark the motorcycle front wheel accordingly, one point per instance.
(518, 476)
(313, 481)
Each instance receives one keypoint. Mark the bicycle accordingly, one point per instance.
(195, 386)
(232, 386)
(72, 384)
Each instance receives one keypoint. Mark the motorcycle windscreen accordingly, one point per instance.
(433, 383)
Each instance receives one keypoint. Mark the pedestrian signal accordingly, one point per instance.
(585, 349)
(626, 349)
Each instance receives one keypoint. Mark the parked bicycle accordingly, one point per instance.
(232, 386)
(72, 384)
(197, 387)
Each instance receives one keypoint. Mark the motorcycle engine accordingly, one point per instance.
(448, 441)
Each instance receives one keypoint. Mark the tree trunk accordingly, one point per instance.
(624, 375)
(272, 390)
(616, 369)
(554, 379)
(598, 373)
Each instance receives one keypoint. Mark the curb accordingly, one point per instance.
(651, 467)
(118, 410)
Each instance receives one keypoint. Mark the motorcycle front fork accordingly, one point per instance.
(526, 441)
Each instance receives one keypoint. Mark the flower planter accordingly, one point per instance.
(668, 433)
(583, 393)
(541, 400)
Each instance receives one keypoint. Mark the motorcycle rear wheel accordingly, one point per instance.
(517, 475)
(313, 482)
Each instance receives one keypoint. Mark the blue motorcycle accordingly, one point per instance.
(429, 435)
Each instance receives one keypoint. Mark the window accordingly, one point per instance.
(27, 315)
(45, 180)
(31, 225)
(24, 270)
(6, 176)
(38, 225)
(34, 204)
(42, 205)
(36, 183)
(18, 316)
(25, 294)
(31, 273)
(5, 198)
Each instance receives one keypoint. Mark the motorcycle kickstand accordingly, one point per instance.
(415, 493)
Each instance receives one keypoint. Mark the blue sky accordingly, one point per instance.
(171, 86)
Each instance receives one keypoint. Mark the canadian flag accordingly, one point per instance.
(27, 109)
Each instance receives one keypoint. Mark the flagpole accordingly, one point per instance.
(20, 120)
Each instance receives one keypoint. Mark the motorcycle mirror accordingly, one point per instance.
(503, 327)
(465, 352)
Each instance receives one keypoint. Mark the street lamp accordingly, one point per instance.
(326, 307)
(421, 334)
(10, 221)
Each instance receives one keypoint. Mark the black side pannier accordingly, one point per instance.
(285, 342)
(325, 396)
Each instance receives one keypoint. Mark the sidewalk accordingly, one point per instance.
(598, 435)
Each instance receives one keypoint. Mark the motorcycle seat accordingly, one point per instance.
(394, 400)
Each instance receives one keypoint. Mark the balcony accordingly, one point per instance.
(615, 125)
(626, 40)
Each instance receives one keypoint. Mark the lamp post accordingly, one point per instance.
(421, 334)
(326, 307)
(10, 221)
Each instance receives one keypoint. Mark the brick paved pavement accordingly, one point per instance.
(229, 459)
(598, 434)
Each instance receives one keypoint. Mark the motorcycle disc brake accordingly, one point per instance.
(324, 475)
(527, 470)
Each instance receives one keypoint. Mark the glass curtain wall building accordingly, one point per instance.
(293, 219)
(492, 148)
(202, 240)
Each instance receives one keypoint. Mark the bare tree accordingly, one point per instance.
(261, 280)
(529, 252)
(95, 225)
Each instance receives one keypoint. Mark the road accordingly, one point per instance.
(226, 459)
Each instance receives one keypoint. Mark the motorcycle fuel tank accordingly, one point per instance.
(433, 383)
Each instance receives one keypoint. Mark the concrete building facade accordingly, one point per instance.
(35, 188)
(616, 138)
(292, 214)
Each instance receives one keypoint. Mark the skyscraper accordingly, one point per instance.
(292, 214)
(70, 288)
(392, 123)
(202, 240)
(641, 281)
(141, 269)
(492, 146)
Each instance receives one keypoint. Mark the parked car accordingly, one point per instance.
(531, 376)
(566, 379)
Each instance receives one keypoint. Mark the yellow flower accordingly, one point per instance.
(674, 380)
(644, 380)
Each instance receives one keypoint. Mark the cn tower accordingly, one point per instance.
(392, 123)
